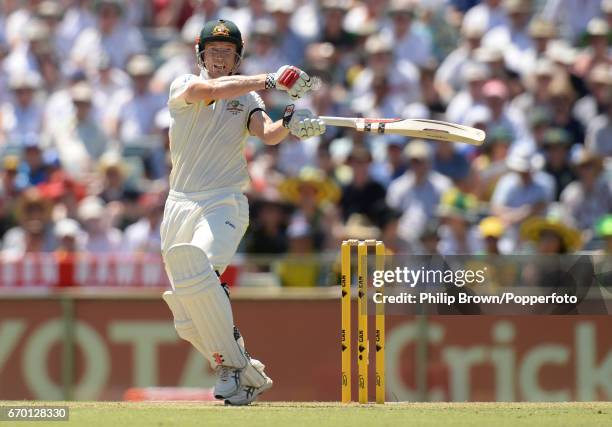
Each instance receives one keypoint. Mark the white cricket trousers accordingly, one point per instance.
(214, 220)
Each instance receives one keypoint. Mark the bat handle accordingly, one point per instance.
(339, 121)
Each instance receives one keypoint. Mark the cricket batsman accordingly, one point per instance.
(206, 213)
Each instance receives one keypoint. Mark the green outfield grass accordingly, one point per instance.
(286, 414)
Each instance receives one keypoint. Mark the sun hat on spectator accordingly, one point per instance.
(477, 115)
(582, 156)
(602, 74)
(598, 27)
(10, 163)
(280, 6)
(140, 65)
(66, 227)
(541, 28)
(606, 6)
(544, 67)
(343, 5)
(561, 52)
(49, 9)
(488, 54)
(554, 221)
(474, 28)
(475, 71)
(91, 207)
(378, 44)
(556, 137)
(37, 30)
(32, 197)
(522, 159)
(81, 92)
(406, 7)
(25, 80)
(326, 189)
(418, 149)
(491, 226)
(359, 227)
(517, 6)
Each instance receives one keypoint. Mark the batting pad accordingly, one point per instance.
(198, 290)
(184, 326)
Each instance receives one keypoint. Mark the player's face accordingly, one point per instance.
(220, 58)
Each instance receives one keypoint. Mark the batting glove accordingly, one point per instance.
(302, 123)
(290, 79)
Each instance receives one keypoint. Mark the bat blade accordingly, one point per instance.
(415, 128)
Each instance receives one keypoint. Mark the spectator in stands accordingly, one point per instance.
(401, 77)
(23, 117)
(489, 12)
(332, 30)
(264, 53)
(599, 132)
(35, 230)
(79, 140)
(599, 50)
(100, 236)
(362, 195)
(590, 196)
(143, 236)
(412, 44)
(450, 162)
(268, 234)
(34, 168)
(449, 76)
(113, 186)
(571, 16)
(490, 165)
(457, 212)
(10, 188)
(299, 267)
(69, 236)
(496, 95)
(474, 76)
(551, 234)
(112, 36)
(562, 98)
(134, 110)
(417, 192)
(314, 196)
(599, 95)
(537, 95)
(491, 231)
(292, 43)
(604, 231)
(518, 195)
(556, 146)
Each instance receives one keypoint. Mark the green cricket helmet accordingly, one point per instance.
(220, 30)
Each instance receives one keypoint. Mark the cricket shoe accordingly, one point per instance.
(248, 393)
(228, 382)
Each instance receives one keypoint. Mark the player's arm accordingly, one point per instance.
(288, 78)
(301, 123)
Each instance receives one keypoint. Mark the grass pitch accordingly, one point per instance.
(272, 414)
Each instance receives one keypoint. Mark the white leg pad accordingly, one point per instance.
(253, 374)
(184, 326)
(197, 288)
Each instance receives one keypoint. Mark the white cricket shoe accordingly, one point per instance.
(228, 382)
(248, 393)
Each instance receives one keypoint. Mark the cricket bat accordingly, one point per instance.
(415, 128)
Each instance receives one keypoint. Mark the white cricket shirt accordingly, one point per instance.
(207, 141)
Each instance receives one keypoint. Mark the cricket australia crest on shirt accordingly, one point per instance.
(235, 107)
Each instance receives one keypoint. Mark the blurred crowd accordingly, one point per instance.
(84, 123)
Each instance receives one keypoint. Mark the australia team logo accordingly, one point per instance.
(235, 107)
(220, 30)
